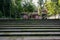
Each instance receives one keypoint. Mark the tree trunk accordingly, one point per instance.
(4, 8)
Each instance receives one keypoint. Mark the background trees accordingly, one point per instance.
(6, 8)
(13, 8)
(17, 7)
(52, 7)
(28, 7)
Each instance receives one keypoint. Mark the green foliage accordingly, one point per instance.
(58, 6)
(15, 5)
(28, 7)
(18, 5)
(51, 7)
(13, 8)
(16, 8)
(58, 2)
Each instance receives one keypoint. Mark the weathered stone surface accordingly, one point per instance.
(29, 38)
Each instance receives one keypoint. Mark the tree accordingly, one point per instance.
(6, 8)
(51, 7)
(59, 6)
(40, 2)
(28, 7)
(1, 14)
(16, 8)
(12, 8)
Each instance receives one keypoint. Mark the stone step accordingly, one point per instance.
(31, 38)
(29, 25)
(29, 30)
(30, 22)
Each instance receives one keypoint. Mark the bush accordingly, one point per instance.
(28, 7)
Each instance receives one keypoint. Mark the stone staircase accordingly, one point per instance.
(30, 28)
